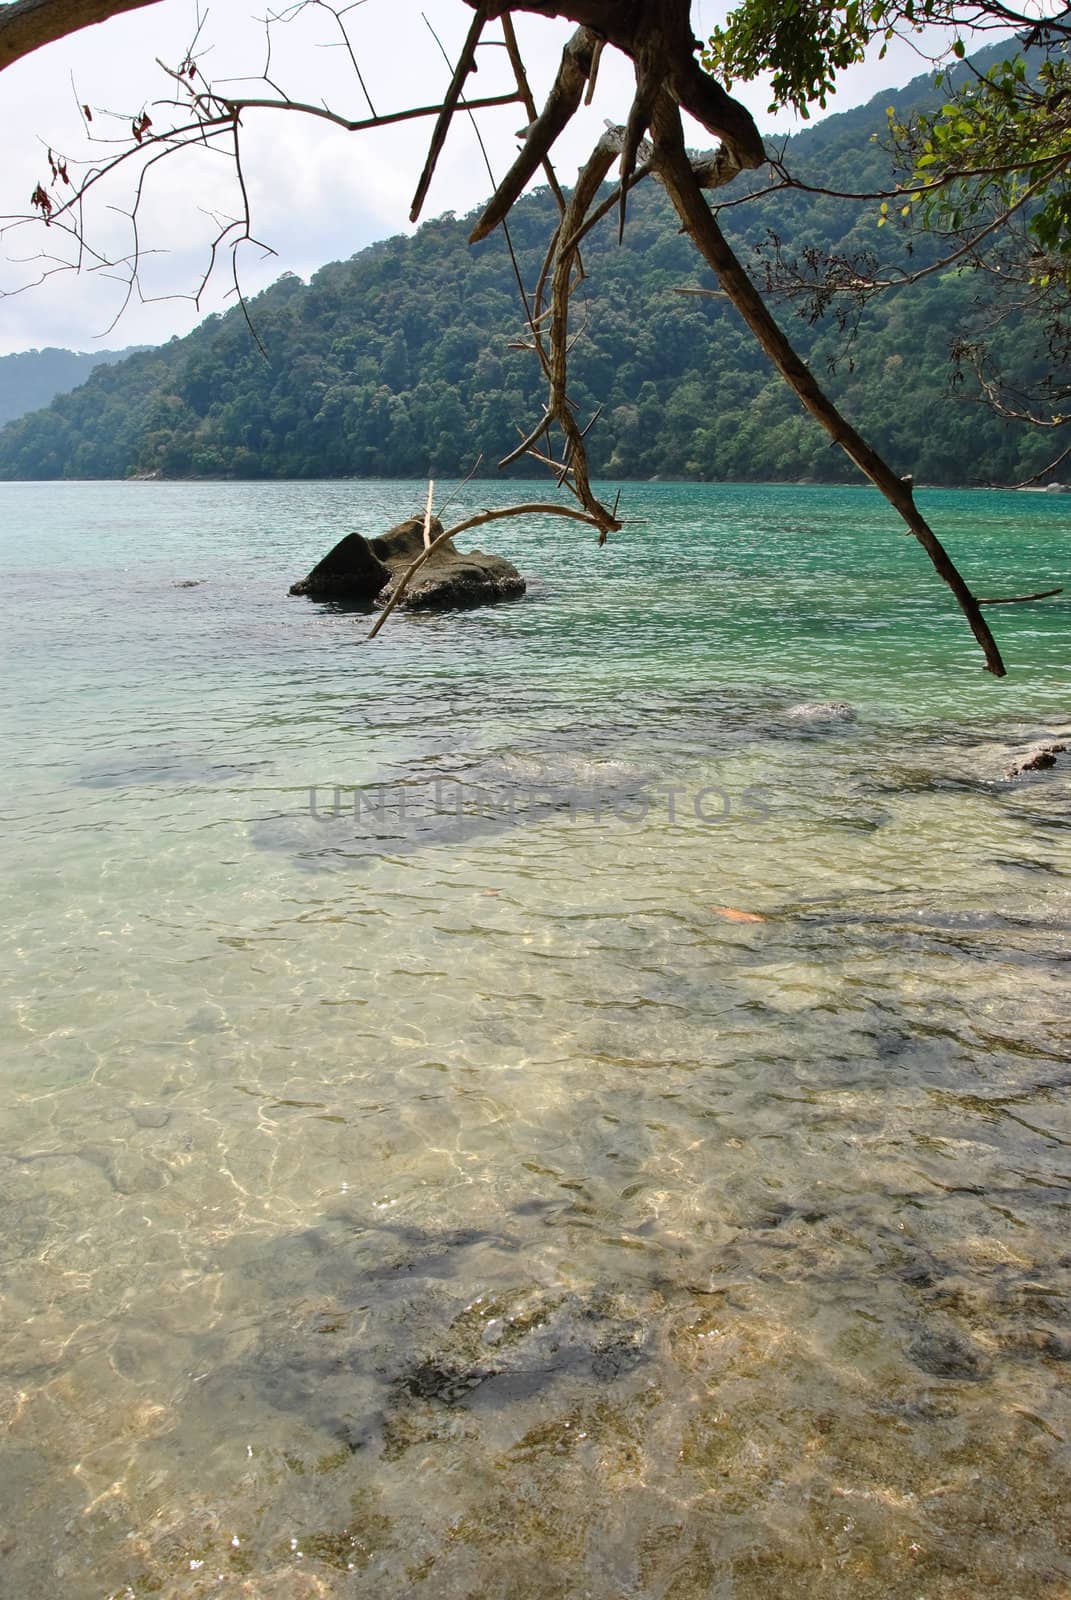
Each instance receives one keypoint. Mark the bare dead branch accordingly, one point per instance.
(362, 124)
(675, 171)
(1018, 599)
(524, 89)
(466, 63)
(427, 513)
(562, 105)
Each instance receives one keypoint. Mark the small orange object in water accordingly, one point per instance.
(731, 914)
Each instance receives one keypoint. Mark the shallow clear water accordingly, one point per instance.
(464, 1206)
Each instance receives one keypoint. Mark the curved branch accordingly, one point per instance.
(1056, 165)
(1060, 459)
(1017, 599)
(899, 191)
(236, 106)
(533, 508)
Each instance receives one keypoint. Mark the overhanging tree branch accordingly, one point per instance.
(675, 171)
(27, 25)
(656, 36)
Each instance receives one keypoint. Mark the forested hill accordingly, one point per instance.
(31, 378)
(398, 361)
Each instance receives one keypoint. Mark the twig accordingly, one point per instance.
(1017, 599)
(427, 513)
(471, 473)
(1060, 459)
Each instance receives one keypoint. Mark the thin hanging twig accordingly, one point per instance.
(470, 474)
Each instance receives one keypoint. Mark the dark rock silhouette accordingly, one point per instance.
(361, 571)
(350, 572)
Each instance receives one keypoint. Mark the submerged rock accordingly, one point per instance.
(363, 571)
(1038, 759)
(944, 1354)
(818, 711)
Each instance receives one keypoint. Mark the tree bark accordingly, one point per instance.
(657, 36)
(26, 25)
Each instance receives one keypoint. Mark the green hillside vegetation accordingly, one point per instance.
(32, 378)
(397, 362)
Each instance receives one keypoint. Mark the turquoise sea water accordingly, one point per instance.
(462, 1205)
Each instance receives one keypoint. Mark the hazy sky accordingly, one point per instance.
(318, 194)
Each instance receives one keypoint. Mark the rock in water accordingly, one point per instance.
(822, 711)
(405, 542)
(472, 579)
(362, 571)
(350, 572)
(451, 578)
(1037, 760)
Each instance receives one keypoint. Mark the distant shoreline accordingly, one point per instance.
(503, 479)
